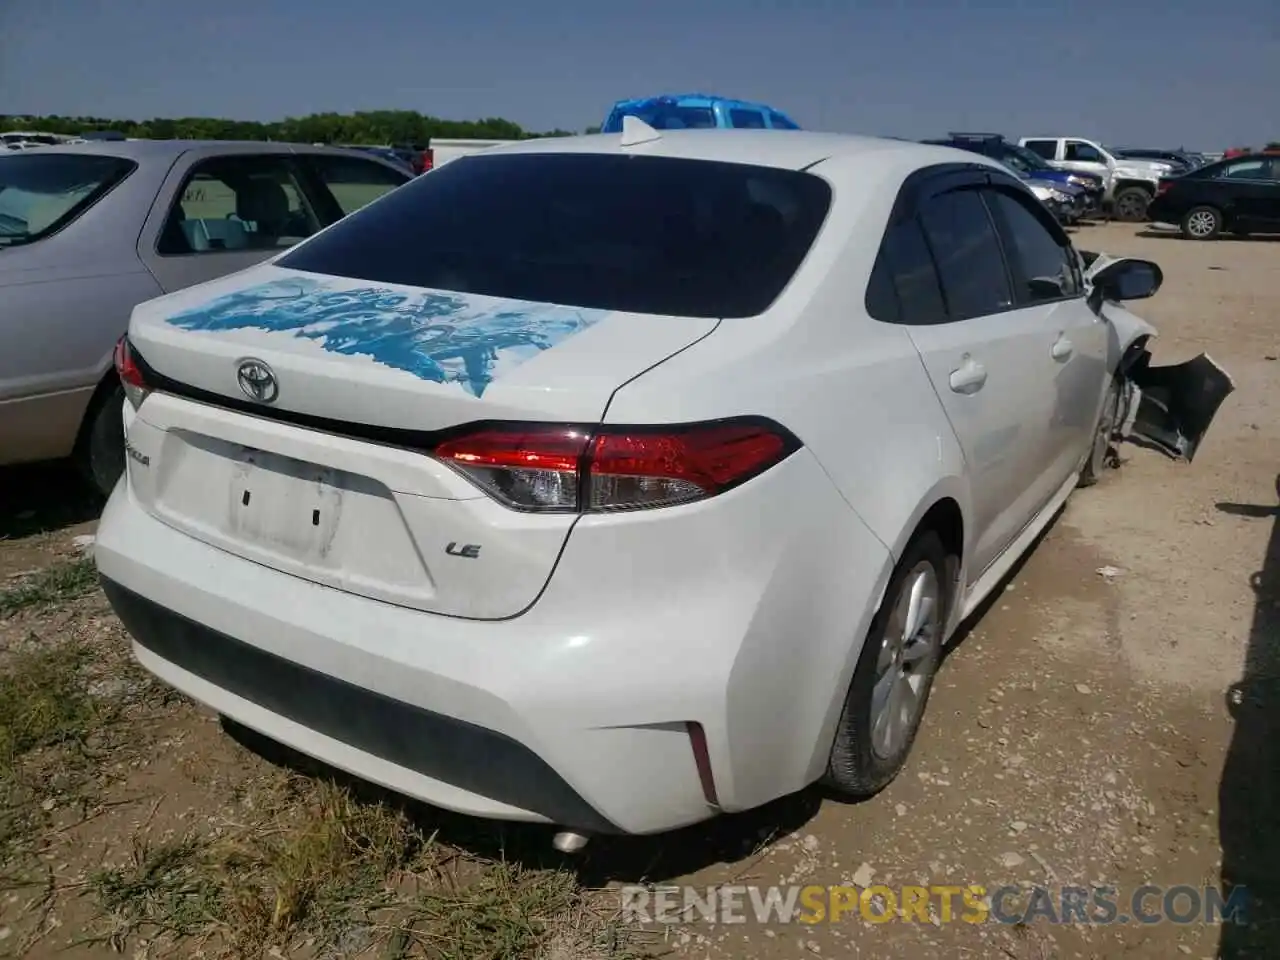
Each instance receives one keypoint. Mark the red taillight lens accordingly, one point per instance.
(636, 469)
(1163, 187)
(532, 468)
(428, 160)
(130, 374)
(570, 469)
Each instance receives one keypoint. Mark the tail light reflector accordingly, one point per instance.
(130, 374)
(567, 468)
(1163, 187)
(428, 159)
(702, 760)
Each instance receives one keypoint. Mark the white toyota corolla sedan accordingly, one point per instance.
(617, 481)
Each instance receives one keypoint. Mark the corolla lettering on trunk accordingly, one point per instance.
(434, 335)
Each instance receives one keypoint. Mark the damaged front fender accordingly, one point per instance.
(1168, 408)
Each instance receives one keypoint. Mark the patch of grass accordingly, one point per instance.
(162, 887)
(343, 875)
(318, 870)
(508, 911)
(56, 584)
(43, 701)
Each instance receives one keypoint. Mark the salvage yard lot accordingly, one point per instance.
(1082, 732)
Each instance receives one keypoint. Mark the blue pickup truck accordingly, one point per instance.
(1028, 165)
(697, 111)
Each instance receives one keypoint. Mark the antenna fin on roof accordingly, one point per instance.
(635, 130)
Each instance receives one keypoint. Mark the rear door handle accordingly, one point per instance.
(968, 377)
(1062, 349)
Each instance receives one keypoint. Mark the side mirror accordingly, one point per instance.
(1128, 279)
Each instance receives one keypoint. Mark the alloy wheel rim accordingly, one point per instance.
(905, 661)
(1201, 224)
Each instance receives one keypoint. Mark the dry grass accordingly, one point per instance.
(338, 876)
(276, 863)
(56, 584)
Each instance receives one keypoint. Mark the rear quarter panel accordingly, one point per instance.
(856, 394)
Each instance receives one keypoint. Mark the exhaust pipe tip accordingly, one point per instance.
(566, 841)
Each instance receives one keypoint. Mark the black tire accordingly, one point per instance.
(1129, 205)
(856, 769)
(99, 453)
(1202, 223)
(1100, 452)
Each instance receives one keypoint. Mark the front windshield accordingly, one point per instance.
(41, 192)
(1018, 165)
(1029, 159)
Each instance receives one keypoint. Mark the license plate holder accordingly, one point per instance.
(284, 505)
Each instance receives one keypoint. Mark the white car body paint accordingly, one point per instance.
(590, 641)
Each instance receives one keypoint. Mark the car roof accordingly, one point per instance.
(783, 149)
(162, 150)
(695, 100)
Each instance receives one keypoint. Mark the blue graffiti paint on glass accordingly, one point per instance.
(437, 336)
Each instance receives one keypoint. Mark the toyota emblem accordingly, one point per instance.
(257, 381)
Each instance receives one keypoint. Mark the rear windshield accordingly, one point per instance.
(40, 193)
(654, 235)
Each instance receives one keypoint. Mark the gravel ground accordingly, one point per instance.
(1083, 732)
(1109, 720)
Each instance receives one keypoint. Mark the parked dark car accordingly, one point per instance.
(1239, 195)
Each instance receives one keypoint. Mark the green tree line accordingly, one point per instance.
(373, 126)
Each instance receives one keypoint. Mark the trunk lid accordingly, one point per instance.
(293, 413)
(395, 356)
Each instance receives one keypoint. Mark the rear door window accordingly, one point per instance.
(656, 235)
(41, 193)
(778, 122)
(240, 202)
(975, 280)
(904, 285)
(749, 119)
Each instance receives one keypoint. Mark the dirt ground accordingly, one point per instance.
(1111, 719)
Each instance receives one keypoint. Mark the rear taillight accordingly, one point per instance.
(1163, 187)
(565, 468)
(428, 159)
(130, 374)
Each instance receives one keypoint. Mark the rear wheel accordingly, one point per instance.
(99, 452)
(1130, 204)
(894, 675)
(1202, 223)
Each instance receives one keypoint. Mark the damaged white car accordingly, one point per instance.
(614, 482)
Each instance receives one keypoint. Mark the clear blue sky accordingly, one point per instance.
(1128, 72)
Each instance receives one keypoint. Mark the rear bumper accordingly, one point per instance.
(1160, 210)
(245, 681)
(745, 621)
